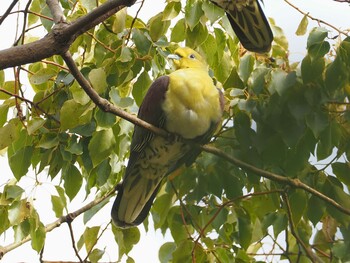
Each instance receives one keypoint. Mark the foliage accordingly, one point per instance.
(289, 119)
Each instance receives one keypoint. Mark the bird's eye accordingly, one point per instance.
(192, 56)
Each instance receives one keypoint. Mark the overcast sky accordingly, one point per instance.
(58, 246)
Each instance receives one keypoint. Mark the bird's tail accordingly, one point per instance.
(251, 27)
(133, 202)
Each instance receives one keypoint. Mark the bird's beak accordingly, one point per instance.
(175, 59)
(173, 56)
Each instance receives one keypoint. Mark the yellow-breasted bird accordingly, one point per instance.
(186, 103)
(249, 23)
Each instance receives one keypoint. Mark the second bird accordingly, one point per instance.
(249, 23)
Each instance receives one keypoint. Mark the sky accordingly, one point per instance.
(58, 245)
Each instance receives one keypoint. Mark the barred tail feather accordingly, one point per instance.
(251, 27)
(125, 215)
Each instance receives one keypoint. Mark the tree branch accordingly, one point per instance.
(63, 219)
(8, 11)
(61, 37)
(316, 19)
(307, 249)
(73, 241)
(296, 183)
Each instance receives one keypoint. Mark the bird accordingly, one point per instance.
(249, 23)
(188, 105)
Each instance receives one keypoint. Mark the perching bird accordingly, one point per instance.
(186, 103)
(249, 23)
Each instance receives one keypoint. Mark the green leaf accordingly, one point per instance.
(97, 78)
(119, 21)
(18, 211)
(34, 125)
(91, 212)
(48, 141)
(183, 252)
(126, 239)
(38, 237)
(101, 145)
(317, 36)
(72, 181)
(123, 102)
(126, 55)
(337, 75)
(178, 33)
(57, 205)
(212, 12)
(245, 232)
(20, 162)
(143, 44)
(224, 68)
(342, 171)
(193, 13)
(13, 192)
(301, 30)
(42, 76)
(4, 108)
(315, 210)
(10, 87)
(246, 67)
(317, 122)
(96, 255)
(160, 209)
(312, 69)
(2, 78)
(140, 87)
(281, 81)
(104, 119)
(73, 114)
(196, 36)
(298, 203)
(90, 237)
(5, 223)
(316, 45)
(79, 95)
(166, 251)
(171, 10)
(158, 27)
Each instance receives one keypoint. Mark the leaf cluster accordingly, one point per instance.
(289, 119)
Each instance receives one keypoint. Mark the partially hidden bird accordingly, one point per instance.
(249, 23)
(187, 104)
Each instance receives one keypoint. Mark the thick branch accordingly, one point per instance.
(61, 36)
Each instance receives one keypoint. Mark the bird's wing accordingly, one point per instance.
(151, 112)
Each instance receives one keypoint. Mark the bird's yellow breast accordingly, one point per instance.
(191, 103)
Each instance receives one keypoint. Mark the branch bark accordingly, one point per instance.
(62, 35)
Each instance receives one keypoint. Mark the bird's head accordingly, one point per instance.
(185, 57)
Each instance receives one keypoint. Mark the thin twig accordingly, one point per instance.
(73, 241)
(58, 222)
(295, 183)
(8, 11)
(97, 239)
(316, 19)
(133, 22)
(307, 249)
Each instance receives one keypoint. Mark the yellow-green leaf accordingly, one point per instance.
(301, 30)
